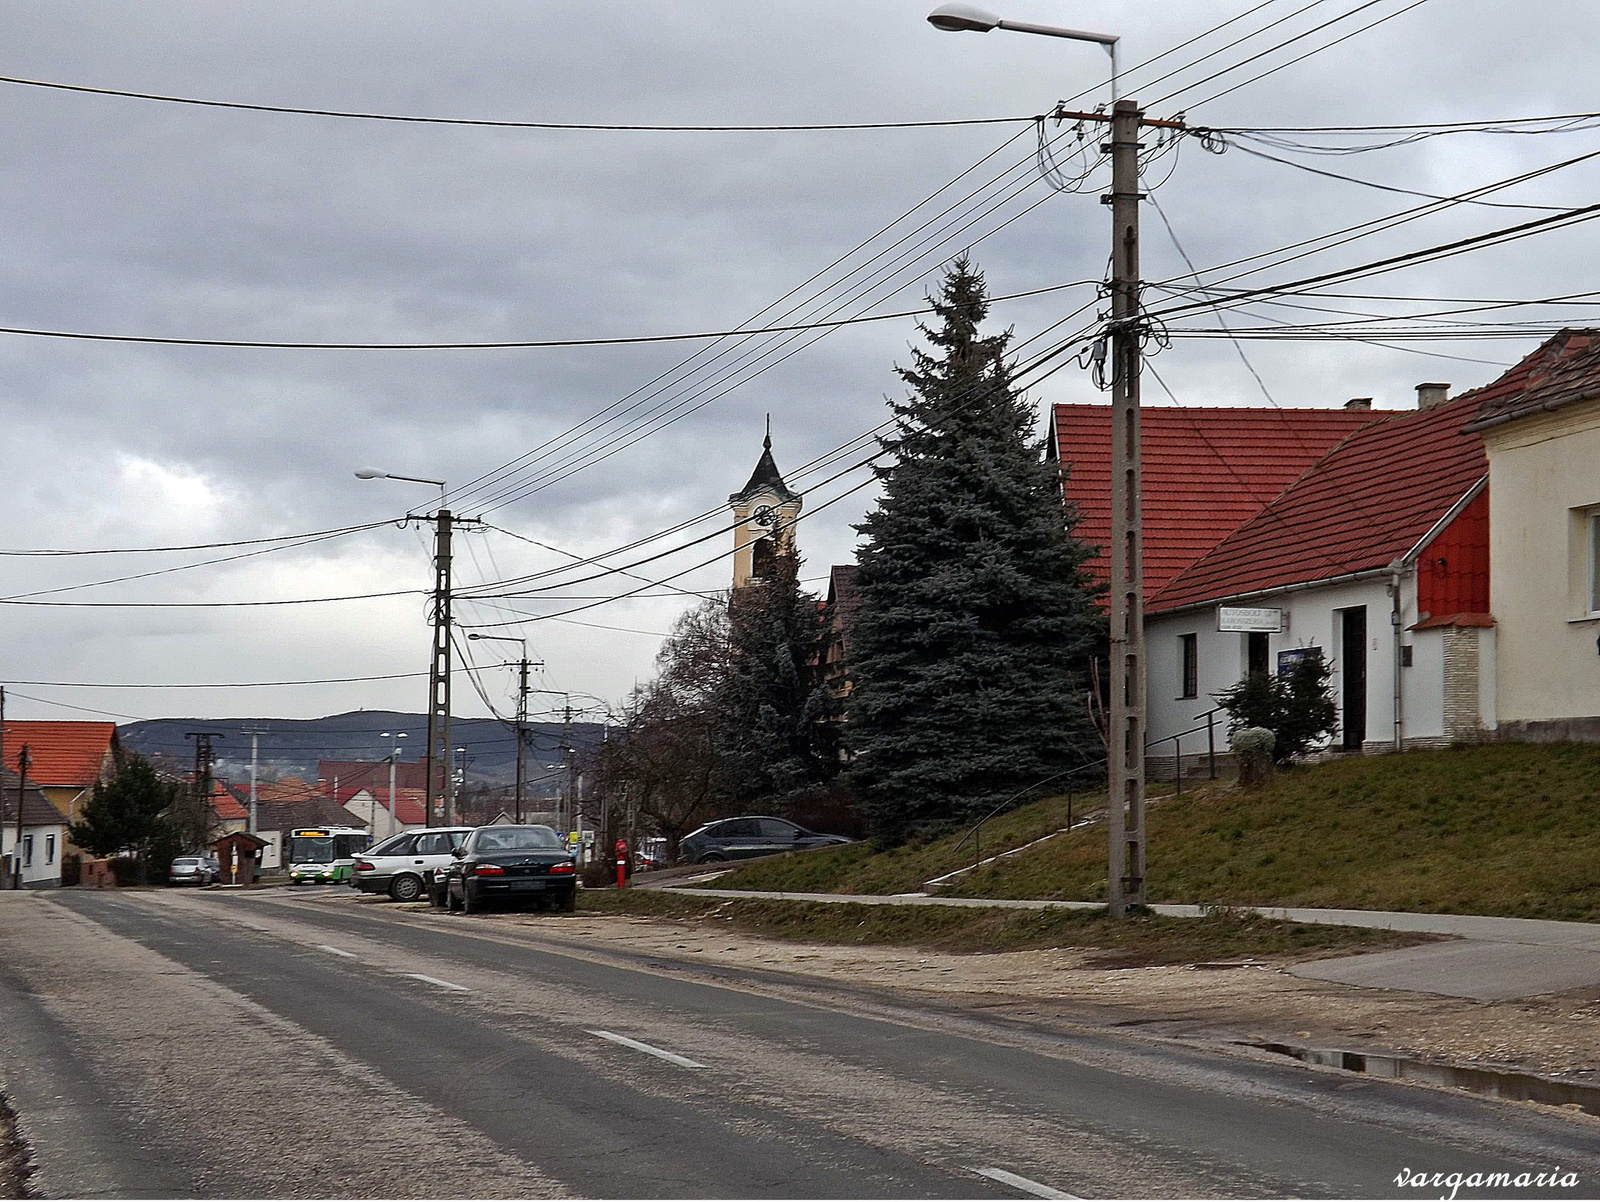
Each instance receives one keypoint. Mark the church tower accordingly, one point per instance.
(764, 512)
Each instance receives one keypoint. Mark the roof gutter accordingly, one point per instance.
(1549, 406)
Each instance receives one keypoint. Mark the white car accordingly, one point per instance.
(202, 869)
(403, 866)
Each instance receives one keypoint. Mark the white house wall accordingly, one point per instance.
(39, 873)
(1313, 621)
(1542, 483)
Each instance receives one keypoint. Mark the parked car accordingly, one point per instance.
(742, 838)
(512, 863)
(404, 866)
(201, 869)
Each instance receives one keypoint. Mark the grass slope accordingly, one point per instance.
(857, 869)
(1507, 828)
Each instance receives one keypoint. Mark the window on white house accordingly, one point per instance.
(1594, 562)
(27, 850)
(1188, 645)
(49, 849)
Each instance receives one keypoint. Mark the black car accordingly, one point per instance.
(511, 863)
(742, 838)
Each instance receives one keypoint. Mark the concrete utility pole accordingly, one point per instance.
(1125, 742)
(522, 737)
(23, 760)
(255, 733)
(440, 797)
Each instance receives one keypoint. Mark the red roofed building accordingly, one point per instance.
(1376, 559)
(343, 779)
(1205, 472)
(66, 759)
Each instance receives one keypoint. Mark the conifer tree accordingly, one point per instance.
(772, 702)
(975, 621)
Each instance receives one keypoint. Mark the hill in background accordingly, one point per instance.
(293, 746)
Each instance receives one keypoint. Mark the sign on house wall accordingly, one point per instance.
(1250, 621)
(1291, 659)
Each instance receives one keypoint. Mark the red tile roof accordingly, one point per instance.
(64, 753)
(356, 775)
(1563, 371)
(223, 803)
(1205, 471)
(1365, 504)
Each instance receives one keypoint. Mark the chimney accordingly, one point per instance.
(1429, 395)
(1360, 402)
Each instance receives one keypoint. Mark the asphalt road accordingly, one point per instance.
(276, 1043)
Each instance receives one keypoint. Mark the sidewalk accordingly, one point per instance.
(1492, 958)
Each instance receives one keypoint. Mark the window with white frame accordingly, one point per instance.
(1594, 561)
(49, 849)
(27, 850)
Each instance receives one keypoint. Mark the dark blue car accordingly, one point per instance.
(742, 838)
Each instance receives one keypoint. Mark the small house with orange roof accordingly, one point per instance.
(43, 834)
(1376, 560)
(66, 760)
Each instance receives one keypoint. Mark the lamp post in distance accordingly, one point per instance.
(394, 755)
(439, 795)
(522, 704)
(968, 18)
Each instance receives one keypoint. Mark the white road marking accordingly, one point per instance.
(670, 1057)
(337, 952)
(417, 976)
(1022, 1183)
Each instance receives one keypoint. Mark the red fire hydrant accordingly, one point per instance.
(622, 863)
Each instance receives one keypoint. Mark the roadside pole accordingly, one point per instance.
(23, 761)
(438, 795)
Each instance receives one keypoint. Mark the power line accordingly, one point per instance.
(1288, 42)
(247, 542)
(526, 344)
(234, 684)
(488, 123)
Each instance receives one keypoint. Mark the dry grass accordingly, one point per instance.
(1140, 940)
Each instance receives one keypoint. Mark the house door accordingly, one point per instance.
(1354, 655)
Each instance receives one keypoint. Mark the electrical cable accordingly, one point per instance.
(408, 119)
(236, 684)
(247, 542)
(532, 344)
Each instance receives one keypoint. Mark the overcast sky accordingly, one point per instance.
(135, 217)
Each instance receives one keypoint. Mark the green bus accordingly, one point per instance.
(323, 855)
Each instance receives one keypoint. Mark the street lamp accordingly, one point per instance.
(394, 754)
(966, 18)
(442, 803)
(1128, 708)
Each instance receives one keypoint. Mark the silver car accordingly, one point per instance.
(194, 870)
(403, 866)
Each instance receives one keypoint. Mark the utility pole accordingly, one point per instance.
(1126, 734)
(203, 757)
(440, 797)
(569, 808)
(23, 760)
(522, 736)
(255, 733)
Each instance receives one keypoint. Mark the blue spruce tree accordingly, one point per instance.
(975, 622)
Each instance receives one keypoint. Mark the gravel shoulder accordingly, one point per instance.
(1236, 999)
